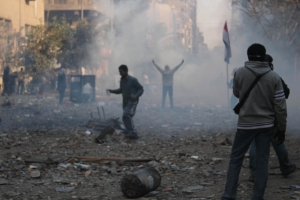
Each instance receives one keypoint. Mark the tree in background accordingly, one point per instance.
(278, 20)
(80, 47)
(44, 45)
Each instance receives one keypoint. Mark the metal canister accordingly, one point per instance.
(140, 183)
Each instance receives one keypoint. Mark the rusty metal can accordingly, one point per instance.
(140, 183)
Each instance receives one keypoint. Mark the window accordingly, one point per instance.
(7, 31)
(60, 1)
(27, 29)
(1, 38)
(49, 2)
(32, 29)
(7, 26)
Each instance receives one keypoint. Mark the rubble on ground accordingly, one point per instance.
(50, 151)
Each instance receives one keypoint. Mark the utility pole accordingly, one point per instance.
(20, 15)
(81, 9)
(112, 17)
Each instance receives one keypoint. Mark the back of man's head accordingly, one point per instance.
(124, 68)
(256, 52)
(268, 58)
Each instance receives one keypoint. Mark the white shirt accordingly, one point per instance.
(87, 89)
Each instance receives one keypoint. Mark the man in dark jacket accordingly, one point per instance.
(131, 90)
(5, 79)
(286, 167)
(167, 81)
(256, 120)
(61, 85)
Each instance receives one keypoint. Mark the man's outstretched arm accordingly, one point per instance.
(117, 91)
(157, 67)
(178, 66)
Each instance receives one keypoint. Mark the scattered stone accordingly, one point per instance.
(3, 181)
(64, 190)
(191, 188)
(35, 174)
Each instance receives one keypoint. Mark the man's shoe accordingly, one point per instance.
(289, 170)
(131, 135)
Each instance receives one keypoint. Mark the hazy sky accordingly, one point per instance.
(211, 18)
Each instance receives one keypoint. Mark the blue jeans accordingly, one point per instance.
(242, 141)
(166, 90)
(281, 152)
(128, 113)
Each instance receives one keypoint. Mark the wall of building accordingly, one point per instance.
(15, 16)
(186, 22)
(163, 14)
(22, 13)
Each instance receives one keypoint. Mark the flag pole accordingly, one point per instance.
(226, 41)
(227, 86)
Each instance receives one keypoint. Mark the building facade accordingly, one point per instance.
(77, 10)
(17, 16)
(180, 17)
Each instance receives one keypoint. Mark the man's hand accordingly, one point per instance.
(134, 97)
(108, 92)
(280, 136)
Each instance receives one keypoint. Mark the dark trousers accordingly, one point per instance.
(20, 87)
(61, 95)
(281, 152)
(128, 113)
(167, 89)
(241, 144)
(6, 88)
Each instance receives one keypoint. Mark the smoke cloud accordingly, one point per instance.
(142, 33)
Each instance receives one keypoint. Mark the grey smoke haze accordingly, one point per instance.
(203, 76)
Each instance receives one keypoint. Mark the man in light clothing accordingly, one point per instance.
(167, 80)
(87, 93)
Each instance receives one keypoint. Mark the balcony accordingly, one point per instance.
(101, 6)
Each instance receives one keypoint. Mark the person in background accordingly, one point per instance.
(61, 85)
(103, 82)
(53, 81)
(256, 121)
(87, 93)
(146, 83)
(131, 90)
(167, 80)
(233, 99)
(21, 77)
(5, 79)
(286, 167)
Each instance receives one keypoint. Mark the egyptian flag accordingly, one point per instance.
(227, 43)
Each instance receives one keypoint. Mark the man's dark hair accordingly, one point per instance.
(268, 58)
(256, 52)
(124, 68)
